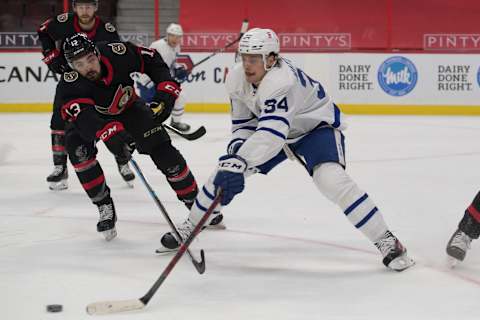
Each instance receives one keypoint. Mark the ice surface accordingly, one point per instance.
(287, 253)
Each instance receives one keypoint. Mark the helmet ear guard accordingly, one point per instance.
(260, 41)
(77, 46)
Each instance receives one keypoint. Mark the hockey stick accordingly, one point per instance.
(200, 132)
(243, 29)
(199, 265)
(114, 306)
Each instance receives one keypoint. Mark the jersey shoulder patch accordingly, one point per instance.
(71, 76)
(118, 48)
(62, 17)
(110, 27)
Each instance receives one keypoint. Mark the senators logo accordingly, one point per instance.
(121, 100)
(62, 17)
(110, 27)
(70, 76)
(118, 48)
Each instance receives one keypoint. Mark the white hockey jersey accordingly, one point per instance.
(169, 54)
(286, 106)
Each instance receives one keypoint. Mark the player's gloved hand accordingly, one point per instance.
(144, 86)
(164, 100)
(115, 138)
(55, 61)
(230, 177)
(180, 74)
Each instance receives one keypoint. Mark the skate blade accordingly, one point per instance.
(165, 251)
(58, 186)
(219, 226)
(110, 234)
(129, 184)
(401, 263)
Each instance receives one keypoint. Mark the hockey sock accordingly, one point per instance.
(334, 183)
(178, 174)
(203, 201)
(58, 147)
(470, 223)
(91, 177)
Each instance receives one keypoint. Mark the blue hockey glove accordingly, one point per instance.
(144, 86)
(230, 177)
(180, 74)
(147, 91)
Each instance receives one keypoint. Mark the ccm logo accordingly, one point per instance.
(152, 131)
(109, 132)
(173, 89)
(230, 165)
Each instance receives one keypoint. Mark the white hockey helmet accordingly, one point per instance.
(259, 41)
(175, 29)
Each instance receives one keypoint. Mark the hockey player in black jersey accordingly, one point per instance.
(52, 33)
(468, 230)
(99, 100)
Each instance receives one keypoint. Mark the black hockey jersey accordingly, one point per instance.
(85, 101)
(53, 32)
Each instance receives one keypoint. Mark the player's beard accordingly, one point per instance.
(93, 75)
(86, 19)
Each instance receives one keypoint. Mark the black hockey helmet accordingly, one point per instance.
(77, 46)
(74, 2)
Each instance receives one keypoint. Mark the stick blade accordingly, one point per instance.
(107, 307)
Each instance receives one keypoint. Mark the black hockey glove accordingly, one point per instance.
(115, 138)
(230, 177)
(55, 61)
(164, 100)
(180, 74)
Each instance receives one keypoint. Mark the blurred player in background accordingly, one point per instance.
(169, 48)
(52, 34)
(278, 111)
(468, 229)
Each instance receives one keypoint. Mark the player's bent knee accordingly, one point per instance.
(333, 182)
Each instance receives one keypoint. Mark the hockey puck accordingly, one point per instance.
(54, 308)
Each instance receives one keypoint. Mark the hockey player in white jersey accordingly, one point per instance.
(277, 111)
(169, 48)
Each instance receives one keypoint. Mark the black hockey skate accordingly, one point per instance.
(170, 242)
(181, 126)
(107, 220)
(126, 173)
(457, 247)
(393, 252)
(460, 242)
(57, 180)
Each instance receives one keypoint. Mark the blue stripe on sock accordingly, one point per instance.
(356, 204)
(365, 220)
(208, 194)
(200, 206)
